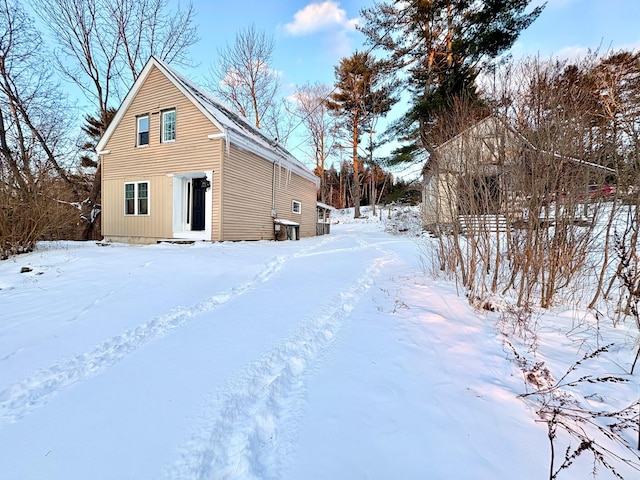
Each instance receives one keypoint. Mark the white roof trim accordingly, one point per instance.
(236, 129)
(325, 206)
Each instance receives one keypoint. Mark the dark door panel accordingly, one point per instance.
(198, 204)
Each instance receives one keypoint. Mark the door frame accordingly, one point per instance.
(183, 207)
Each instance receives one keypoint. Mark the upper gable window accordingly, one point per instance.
(168, 126)
(143, 130)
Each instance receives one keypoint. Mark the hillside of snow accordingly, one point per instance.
(334, 357)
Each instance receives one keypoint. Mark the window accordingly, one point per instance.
(143, 130)
(136, 198)
(323, 215)
(168, 126)
(296, 206)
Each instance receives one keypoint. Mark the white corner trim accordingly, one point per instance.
(224, 135)
(104, 152)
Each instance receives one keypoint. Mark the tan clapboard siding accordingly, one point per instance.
(293, 187)
(216, 194)
(158, 224)
(247, 197)
(241, 181)
(192, 151)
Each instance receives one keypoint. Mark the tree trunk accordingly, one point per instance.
(91, 208)
(356, 173)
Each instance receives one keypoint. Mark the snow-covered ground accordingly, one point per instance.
(334, 357)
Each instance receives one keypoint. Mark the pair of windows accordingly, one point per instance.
(167, 128)
(136, 198)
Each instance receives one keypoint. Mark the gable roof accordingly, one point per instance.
(499, 122)
(475, 126)
(236, 129)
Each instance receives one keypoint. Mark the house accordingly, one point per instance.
(177, 164)
(484, 151)
(490, 170)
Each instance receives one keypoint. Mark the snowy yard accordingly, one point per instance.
(335, 357)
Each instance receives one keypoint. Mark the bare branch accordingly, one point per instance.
(243, 76)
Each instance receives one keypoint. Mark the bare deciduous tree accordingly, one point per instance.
(311, 109)
(146, 28)
(100, 40)
(243, 76)
(33, 140)
(530, 169)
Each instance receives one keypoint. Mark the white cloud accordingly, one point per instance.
(317, 17)
(571, 53)
(577, 52)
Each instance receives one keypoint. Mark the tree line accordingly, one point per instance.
(447, 57)
(434, 51)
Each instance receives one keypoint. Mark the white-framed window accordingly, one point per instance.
(136, 198)
(296, 206)
(142, 134)
(168, 126)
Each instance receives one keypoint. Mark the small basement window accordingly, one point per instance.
(296, 206)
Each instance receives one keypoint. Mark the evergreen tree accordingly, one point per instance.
(94, 128)
(442, 45)
(362, 95)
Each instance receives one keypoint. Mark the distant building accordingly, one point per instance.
(489, 170)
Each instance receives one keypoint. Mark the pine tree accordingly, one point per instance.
(442, 45)
(362, 95)
(94, 128)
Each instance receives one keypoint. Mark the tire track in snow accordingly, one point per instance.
(239, 431)
(25, 396)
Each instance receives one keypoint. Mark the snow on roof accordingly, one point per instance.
(283, 221)
(243, 133)
(237, 129)
(325, 206)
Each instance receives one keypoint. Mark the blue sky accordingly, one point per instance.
(311, 37)
(569, 27)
